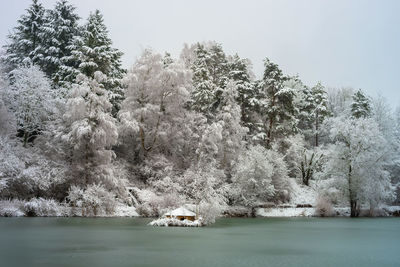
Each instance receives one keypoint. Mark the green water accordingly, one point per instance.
(230, 242)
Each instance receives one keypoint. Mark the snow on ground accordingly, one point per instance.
(302, 194)
(285, 212)
(125, 211)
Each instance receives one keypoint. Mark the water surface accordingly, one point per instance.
(229, 242)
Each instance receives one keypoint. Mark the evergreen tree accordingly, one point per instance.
(313, 111)
(93, 52)
(247, 93)
(59, 30)
(25, 44)
(278, 103)
(361, 106)
(203, 94)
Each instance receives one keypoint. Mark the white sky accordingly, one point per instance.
(341, 43)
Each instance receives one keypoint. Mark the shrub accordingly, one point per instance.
(93, 200)
(43, 208)
(11, 208)
(323, 207)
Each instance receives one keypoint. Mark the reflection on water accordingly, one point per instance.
(229, 242)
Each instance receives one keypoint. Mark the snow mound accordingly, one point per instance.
(175, 222)
(285, 212)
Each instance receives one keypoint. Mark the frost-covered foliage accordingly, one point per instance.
(92, 200)
(260, 176)
(58, 32)
(32, 101)
(25, 43)
(33, 207)
(92, 52)
(91, 131)
(277, 105)
(43, 208)
(153, 110)
(27, 172)
(356, 163)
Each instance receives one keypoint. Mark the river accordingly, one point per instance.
(229, 242)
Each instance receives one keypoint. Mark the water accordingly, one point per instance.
(230, 242)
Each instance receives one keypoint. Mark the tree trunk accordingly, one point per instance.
(354, 206)
(316, 128)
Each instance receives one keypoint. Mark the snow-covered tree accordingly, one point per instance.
(247, 93)
(58, 32)
(32, 101)
(203, 94)
(313, 111)
(203, 185)
(260, 176)
(91, 131)
(25, 42)
(154, 101)
(7, 124)
(93, 51)
(278, 103)
(339, 101)
(356, 163)
(361, 106)
(233, 132)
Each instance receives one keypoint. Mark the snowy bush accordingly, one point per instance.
(323, 207)
(93, 200)
(261, 176)
(11, 208)
(43, 208)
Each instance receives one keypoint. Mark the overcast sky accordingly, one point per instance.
(341, 43)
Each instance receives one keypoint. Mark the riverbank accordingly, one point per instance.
(49, 208)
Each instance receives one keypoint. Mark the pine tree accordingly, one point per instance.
(210, 76)
(203, 94)
(278, 106)
(59, 30)
(94, 52)
(361, 106)
(313, 111)
(247, 95)
(25, 44)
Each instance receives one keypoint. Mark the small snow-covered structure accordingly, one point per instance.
(181, 214)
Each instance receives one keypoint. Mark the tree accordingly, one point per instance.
(247, 94)
(356, 162)
(233, 132)
(91, 131)
(25, 43)
(361, 106)
(32, 101)
(313, 110)
(278, 107)
(154, 101)
(203, 97)
(260, 176)
(58, 32)
(93, 52)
